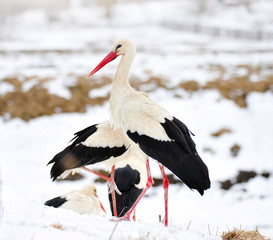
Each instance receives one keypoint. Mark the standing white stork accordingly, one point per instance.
(159, 134)
(100, 143)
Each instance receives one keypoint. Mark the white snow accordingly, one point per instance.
(74, 43)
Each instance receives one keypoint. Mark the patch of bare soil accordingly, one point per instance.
(241, 177)
(235, 149)
(37, 101)
(103, 172)
(71, 177)
(237, 88)
(57, 226)
(172, 180)
(239, 234)
(190, 86)
(220, 132)
(150, 84)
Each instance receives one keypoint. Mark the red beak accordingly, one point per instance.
(110, 57)
(101, 206)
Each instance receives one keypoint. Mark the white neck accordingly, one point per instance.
(122, 72)
(120, 86)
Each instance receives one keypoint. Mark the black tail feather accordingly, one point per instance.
(55, 202)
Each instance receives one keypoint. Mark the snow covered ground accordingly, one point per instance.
(74, 45)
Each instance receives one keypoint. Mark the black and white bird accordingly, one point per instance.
(84, 201)
(101, 143)
(159, 134)
(95, 144)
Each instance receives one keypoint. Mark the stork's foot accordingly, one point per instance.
(112, 186)
(124, 218)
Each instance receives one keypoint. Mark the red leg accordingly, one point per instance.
(113, 193)
(111, 182)
(148, 185)
(165, 186)
(96, 173)
(101, 206)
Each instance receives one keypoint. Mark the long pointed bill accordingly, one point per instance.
(101, 206)
(103, 209)
(110, 57)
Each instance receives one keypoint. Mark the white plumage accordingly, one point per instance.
(159, 134)
(130, 109)
(149, 126)
(141, 115)
(102, 144)
(84, 201)
(106, 136)
(98, 144)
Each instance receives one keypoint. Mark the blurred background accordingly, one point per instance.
(209, 62)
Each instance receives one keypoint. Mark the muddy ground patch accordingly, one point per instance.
(38, 101)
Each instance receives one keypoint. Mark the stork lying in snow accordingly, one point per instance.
(100, 143)
(84, 201)
(158, 134)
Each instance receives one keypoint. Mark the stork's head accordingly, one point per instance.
(89, 190)
(123, 46)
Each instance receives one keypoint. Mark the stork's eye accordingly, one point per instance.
(118, 46)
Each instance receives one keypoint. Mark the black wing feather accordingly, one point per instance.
(82, 135)
(78, 155)
(183, 131)
(179, 155)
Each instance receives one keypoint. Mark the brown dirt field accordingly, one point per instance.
(242, 177)
(37, 101)
(238, 234)
(220, 132)
(237, 88)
